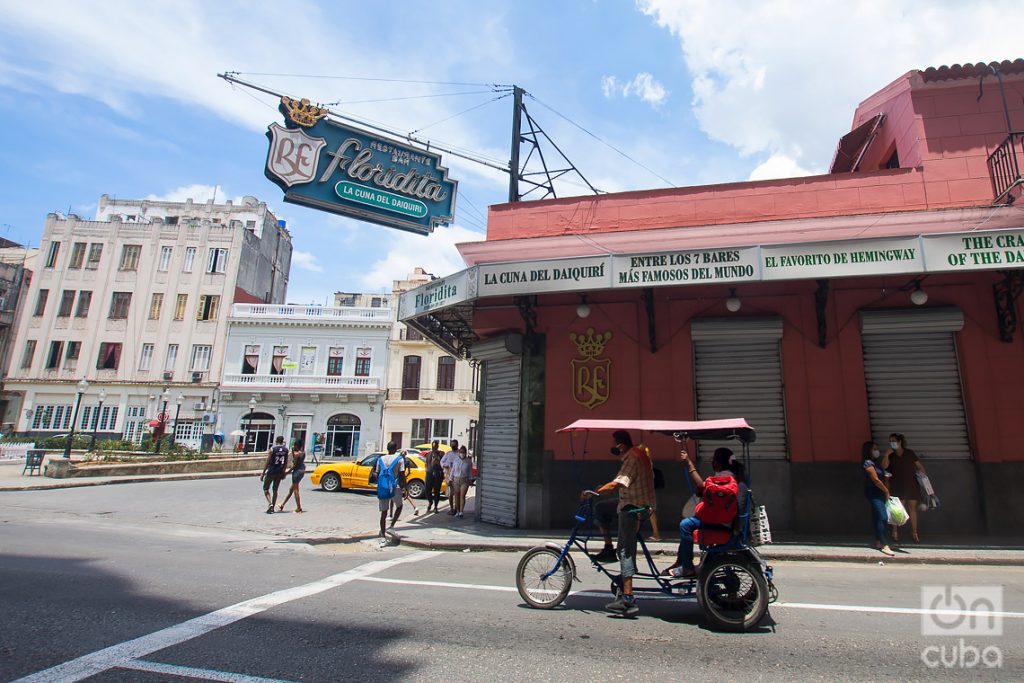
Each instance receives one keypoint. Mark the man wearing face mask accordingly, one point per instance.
(635, 484)
(876, 490)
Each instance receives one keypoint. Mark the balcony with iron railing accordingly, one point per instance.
(304, 382)
(319, 313)
(432, 395)
(1004, 165)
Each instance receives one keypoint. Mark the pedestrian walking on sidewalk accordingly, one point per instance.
(904, 465)
(434, 477)
(298, 471)
(389, 472)
(462, 470)
(273, 472)
(406, 496)
(447, 464)
(876, 490)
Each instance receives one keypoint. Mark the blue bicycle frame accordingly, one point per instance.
(583, 531)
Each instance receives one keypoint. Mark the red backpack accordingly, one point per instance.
(720, 502)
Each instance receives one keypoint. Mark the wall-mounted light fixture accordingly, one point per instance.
(583, 310)
(918, 297)
(733, 303)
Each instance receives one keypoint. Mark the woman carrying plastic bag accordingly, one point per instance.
(896, 512)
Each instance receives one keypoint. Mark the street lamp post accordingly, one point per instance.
(248, 427)
(177, 412)
(162, 417)
(82, 386)
(96, 419)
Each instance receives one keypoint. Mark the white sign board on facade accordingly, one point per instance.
(440, 293)
(702, 266)
(842, 259)
(555, 275)
(974, 251)
(949, 252)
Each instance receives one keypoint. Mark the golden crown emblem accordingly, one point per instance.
(301, 112)
(590, 345)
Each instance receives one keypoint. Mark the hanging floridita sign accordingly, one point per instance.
(326, 165)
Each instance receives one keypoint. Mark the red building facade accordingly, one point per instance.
(827, 310)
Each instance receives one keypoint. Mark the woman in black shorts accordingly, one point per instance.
(298, 470)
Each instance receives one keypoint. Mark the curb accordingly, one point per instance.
(823, 556)
(79, 482)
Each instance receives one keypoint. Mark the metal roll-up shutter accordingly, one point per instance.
(913, 380)
(738, 373)
(498, 456)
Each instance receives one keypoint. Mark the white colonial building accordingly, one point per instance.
(431, 395)
(135, 303)
(313, 374)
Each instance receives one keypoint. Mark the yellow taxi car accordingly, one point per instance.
(334, 476)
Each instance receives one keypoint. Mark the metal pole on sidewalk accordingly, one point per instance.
(82, 386)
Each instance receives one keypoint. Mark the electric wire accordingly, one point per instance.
(464, 111)
(409, 97)
(365, 78)
(437, 142)
(474, 207)
(608, 145)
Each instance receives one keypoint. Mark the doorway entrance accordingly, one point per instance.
(259, 432)
(298, 435)
(342, 436)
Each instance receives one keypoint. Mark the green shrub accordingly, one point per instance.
(166, 448)
(116, 445)
(78, 441)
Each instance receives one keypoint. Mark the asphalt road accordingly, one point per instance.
(183, 581)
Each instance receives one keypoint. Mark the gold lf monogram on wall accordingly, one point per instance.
(591, 376)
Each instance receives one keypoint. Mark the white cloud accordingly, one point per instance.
(779, 166)
(785, 78)
(644, 86)
(306, 261)
(177, 48)
(198, 193)
(435, 253)
(610, 86)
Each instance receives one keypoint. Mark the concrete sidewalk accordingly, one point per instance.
(12, 479)
(443, 532)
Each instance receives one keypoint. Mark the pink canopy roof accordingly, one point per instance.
(708, 429)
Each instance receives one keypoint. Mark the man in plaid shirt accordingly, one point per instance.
(635, 483)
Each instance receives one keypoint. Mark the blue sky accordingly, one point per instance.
(121, 97)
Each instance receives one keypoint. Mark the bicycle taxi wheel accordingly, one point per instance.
(542, 580)
(732, 592)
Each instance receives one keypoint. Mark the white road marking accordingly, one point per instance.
(438, 584)
(121, 654)
(898, 610)
(502, 589)
(192, 672)
(591, 593)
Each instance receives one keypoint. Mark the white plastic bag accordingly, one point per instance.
(929, 501)
(690, 506)
(895, 511)
(760, 530)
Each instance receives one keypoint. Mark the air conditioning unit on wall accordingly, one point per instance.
(168, 376)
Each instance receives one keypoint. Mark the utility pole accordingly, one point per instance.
(513, 176)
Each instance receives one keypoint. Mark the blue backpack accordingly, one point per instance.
(387, 480)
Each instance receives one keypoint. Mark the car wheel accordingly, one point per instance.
(416, 488)
(330, 482)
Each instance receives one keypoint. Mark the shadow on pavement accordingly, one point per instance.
(58, 609)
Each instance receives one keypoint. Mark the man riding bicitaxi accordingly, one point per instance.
(635, 484)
